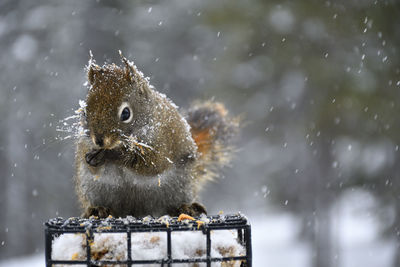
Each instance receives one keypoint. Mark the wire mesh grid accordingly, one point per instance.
(90, 227)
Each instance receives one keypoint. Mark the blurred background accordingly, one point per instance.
(317, 82)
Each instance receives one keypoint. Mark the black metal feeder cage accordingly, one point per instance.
(127, 227)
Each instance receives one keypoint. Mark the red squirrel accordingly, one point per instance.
(139, 155)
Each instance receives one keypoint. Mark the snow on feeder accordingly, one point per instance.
(184, 241)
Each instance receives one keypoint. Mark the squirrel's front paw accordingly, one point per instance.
(194, 209)
(101, 212)
(95, 158)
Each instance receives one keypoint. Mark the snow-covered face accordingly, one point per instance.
(115, 108)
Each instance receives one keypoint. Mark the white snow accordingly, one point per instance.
(68, 247)
(146, 246)
(73, 126)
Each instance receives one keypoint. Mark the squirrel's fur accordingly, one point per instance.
(139, 156)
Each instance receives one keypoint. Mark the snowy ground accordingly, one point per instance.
(275, 244)
(36, 260)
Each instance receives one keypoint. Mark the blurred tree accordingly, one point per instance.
(331, 76)
(350, 96)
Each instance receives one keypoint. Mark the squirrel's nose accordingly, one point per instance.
(99, 141)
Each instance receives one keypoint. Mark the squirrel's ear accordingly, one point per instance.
(91, 68)
(135, 76)
(129, 76)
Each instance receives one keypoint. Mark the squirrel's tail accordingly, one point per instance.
(212, 130)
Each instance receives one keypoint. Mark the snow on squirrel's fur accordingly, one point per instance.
(149, 246)
(72, 125)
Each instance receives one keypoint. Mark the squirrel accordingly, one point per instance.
(139, 155)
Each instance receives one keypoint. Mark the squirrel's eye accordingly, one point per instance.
(125, 113)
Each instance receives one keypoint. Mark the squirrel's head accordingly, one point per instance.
(117, 102)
